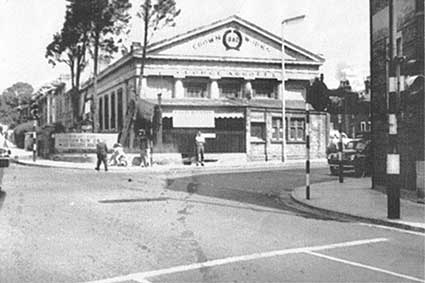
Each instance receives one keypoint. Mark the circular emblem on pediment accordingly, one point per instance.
(232, 39)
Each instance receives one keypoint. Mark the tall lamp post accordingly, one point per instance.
(283, 90)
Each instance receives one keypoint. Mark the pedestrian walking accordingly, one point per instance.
(102, 154)
(199, 142)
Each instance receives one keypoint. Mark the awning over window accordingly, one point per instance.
(229, 115)
(217, 115)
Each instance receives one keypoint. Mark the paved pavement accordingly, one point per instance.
(353, 198)
(24, 157)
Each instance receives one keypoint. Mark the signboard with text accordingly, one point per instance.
(82, 141)
(258, 117)
(193, 119)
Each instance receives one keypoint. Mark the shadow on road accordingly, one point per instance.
(266, 189)
(188, 200)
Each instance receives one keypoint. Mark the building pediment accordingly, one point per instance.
(232, 39)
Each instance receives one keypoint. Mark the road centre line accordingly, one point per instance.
(366, 266)
(181, 268)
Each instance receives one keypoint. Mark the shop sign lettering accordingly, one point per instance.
(82, 141)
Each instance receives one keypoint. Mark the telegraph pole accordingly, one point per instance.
(340, 150)
(283, 76)
(34, 140)
(307, 147)
(393, 157)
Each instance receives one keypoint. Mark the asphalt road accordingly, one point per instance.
(61, 225)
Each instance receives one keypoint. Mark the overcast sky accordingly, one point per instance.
(337, 29)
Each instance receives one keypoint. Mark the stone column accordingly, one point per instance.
(214, 90)
(178, 88)
(248, 93)
(144, 86)
(109, 111)
(248, 132)
(54, 109)
(125, 101)
(279, 91)
(48, 108)
(116, 109)
(100, 103)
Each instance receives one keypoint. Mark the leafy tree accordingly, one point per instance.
(10, 100)
(107, 20)
(91, 26)
(155, 15)
(70, 47)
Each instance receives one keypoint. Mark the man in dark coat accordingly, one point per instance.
(102, 154)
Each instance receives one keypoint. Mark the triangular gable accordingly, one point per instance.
(231, 38)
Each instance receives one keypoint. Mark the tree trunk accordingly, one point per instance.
(94, 108)
(81, 65)
(128, 131)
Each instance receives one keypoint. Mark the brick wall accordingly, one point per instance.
(272, 150)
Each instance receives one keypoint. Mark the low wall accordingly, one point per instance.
(82, 142)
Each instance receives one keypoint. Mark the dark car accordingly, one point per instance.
(4, 157)
(355, 158)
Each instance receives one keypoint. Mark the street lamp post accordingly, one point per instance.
(283, 76)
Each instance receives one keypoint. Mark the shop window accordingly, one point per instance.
(195, 90)
(258, 131)
(296, 130)
(224, 124)
(263, 89)
(120, 109)
(277, 129)
(167, 123)
(113, 110)
(230, 90)
(106, 111)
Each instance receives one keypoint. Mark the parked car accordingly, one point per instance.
(4, 157)
(356, 158)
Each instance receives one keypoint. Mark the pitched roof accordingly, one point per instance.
(240, 21)
(168, 42)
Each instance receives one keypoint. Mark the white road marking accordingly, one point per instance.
(366, 266)
(143, 275)
(393, 229)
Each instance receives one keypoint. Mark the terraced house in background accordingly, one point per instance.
(224, 79)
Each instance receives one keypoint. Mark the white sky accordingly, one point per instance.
(338, 29)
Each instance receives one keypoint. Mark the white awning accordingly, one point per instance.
(229, 115)
(217, 115)
(167, 114)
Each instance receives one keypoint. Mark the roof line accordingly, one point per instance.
(156, 45)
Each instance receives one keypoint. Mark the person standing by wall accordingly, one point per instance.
(200, 150)
(102, 154)
(145, 149)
